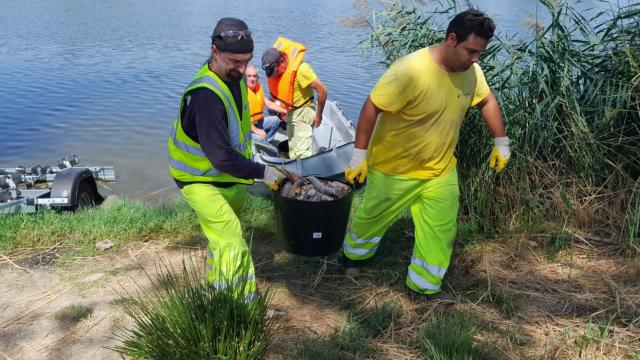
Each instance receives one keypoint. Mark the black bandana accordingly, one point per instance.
(242, 46)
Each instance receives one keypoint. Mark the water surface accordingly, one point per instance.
(102, 79)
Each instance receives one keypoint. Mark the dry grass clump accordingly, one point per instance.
(585, 301)
(72, 314)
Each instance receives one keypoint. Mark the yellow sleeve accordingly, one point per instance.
(305, 75)
(391, 93)
(482, 88)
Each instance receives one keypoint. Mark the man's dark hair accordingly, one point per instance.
(469, 22)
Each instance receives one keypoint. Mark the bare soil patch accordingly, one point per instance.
(533, 306)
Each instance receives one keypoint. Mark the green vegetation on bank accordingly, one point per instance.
(122, 222)
(187, 318)
(570, 95)
(503, 291)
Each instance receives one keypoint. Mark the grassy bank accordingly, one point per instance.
(570, 94)
(77, 234)
(514, 297)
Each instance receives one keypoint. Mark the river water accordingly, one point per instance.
(102, 79)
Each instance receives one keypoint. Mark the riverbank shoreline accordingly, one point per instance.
(517, 296)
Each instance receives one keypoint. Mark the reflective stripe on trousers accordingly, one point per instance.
(228, 256)
(434, 207)
(434, 270)
(421, 282)
(358, 248)
(232, 283)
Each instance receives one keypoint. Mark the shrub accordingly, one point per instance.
(187, 318)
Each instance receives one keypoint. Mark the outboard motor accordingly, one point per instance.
(4, 184)
(68, 162)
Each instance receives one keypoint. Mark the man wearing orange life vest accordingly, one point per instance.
(291, 85)
(262, 128)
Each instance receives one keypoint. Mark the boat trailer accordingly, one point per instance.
(65, 187)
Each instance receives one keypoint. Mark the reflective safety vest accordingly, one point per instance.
(187, 161)
(281, 87)
(256, 103)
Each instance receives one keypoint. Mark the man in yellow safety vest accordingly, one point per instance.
(210, 151)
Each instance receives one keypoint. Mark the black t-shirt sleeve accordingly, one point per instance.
(204, 120)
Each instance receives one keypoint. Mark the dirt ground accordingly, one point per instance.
(32, 290)
(548, 304)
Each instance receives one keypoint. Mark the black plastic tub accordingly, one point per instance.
(310, 228)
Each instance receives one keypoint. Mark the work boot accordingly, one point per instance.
(443, 297)
(350, 267)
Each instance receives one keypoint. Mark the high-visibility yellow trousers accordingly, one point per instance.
(434, 209)
(229, 261)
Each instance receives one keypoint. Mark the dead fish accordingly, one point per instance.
(294, 186)
(323, 188)
(314, 189)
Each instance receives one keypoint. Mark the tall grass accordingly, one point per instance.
(184, 317)
(570, 96)
(450, 336)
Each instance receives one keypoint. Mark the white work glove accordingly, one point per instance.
(358, 168)
(272, 178)
(500, 153)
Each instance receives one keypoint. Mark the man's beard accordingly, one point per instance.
(234, 76)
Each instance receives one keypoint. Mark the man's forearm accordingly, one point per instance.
(322, 99)
(490, 112)
(366, 124)
(274, 107)
(319, 87)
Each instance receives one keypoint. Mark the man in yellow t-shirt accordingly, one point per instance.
(409, 158)
(304, 115)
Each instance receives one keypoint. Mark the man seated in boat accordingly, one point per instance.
(291, 85)
(262, 128)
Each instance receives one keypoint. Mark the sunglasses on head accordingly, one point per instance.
(231, 36)
(269, 67)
